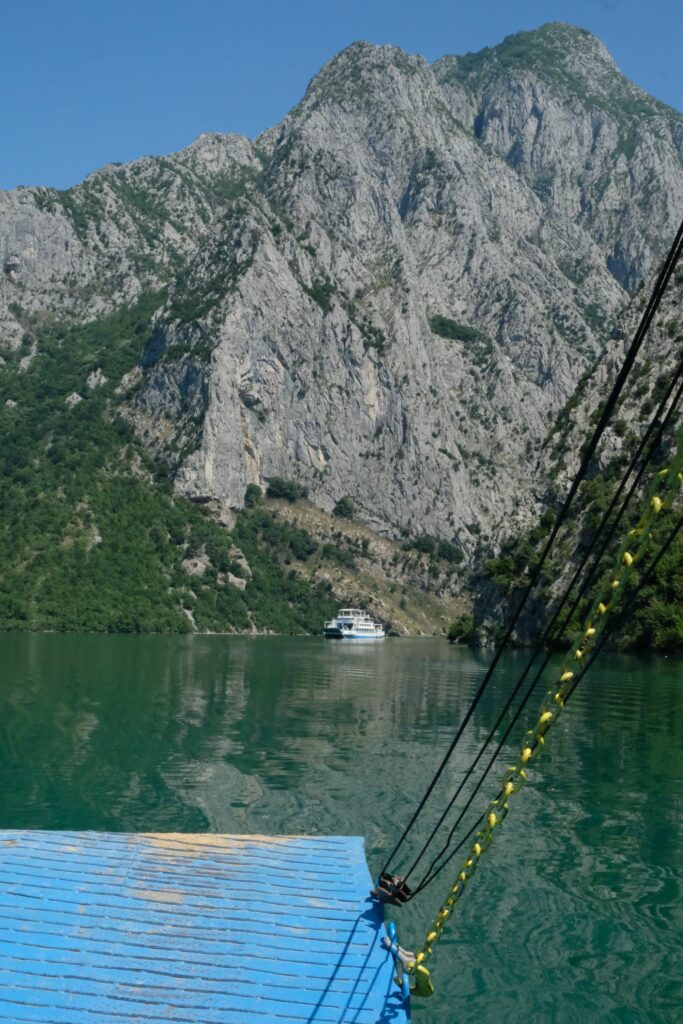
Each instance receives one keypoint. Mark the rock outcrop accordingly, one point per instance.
(388, 296)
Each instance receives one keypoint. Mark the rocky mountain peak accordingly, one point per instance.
(552, 51)
(366, 79)
(562, 57)
(389, 295)
(362, 62)
(559, 43)
(215, 153)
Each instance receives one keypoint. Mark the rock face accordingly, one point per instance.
(646, 419)
(389, 295)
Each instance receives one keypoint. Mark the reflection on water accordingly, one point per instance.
(575, 916)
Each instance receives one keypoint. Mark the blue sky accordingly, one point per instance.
(85, 82)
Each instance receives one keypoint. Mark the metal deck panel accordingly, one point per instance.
(194, 929)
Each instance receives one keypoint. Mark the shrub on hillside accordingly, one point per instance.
(344, 508)
(278, 487)
(460, 629)
(253, 496)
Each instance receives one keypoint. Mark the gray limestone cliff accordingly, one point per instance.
(390, 295)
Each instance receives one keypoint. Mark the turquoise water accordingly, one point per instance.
(575, 914)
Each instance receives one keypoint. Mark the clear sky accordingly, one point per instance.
(86, 82)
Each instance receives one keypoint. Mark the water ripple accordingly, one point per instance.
(574, 917)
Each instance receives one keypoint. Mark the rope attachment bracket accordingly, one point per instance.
(391, 889)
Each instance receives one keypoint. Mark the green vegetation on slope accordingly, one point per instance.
(92, 536)
(551, 52)
(447, 328)
(656, 619)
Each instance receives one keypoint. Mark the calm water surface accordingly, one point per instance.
(575, 914)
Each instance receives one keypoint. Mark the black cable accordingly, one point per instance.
(660, 286)
(599, 646)
(547, 636)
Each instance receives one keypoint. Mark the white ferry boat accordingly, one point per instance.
(353, 624)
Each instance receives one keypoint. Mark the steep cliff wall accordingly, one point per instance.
(390, 295)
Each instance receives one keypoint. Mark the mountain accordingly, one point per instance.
(652, 606)
(387, 297)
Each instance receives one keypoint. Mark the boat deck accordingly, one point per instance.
(193, 929)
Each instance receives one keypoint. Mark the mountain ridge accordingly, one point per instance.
(387, 297)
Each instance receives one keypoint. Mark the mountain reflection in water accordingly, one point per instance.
(575, 913)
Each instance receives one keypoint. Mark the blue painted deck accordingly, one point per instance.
(190, 929)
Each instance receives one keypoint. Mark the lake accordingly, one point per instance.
(575, 914)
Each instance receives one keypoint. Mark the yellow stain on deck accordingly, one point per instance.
(189, 844)
(161, 895)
